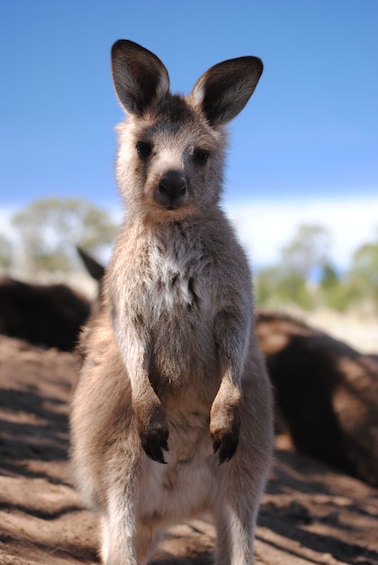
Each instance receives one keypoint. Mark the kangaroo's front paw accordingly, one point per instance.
(224, 430)
(154, 441)
(225, 442)
(151, 424)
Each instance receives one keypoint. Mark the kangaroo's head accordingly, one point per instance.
(170, 159)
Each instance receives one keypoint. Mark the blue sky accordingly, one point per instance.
(307, 141)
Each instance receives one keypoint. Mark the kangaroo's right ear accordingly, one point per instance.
(140, 78)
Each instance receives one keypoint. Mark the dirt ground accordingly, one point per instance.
(310, 513)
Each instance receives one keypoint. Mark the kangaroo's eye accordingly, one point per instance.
(201, 156)
(144, 149)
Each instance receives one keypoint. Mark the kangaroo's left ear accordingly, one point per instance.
(223, 91)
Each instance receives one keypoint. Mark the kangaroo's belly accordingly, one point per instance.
(182, 488)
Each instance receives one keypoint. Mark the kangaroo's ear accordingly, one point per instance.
(95, 269)
(223, 91)
(140, 78)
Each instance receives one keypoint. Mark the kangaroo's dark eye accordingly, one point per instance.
(201, 156)
(144, 149)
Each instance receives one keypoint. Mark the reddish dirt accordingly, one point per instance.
(310, 513)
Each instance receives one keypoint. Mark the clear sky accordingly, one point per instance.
(304, 149)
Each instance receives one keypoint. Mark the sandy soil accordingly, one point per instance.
(310, 513)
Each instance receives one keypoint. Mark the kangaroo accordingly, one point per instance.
(171, 416)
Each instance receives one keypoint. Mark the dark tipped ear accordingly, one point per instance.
(94, 268)
(223, 91)
(140, 78)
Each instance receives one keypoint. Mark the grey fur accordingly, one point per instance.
(171, 370)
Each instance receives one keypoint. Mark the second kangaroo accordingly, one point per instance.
(171, 416)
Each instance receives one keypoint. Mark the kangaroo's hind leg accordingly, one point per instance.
(146, 539)
(235, 522)
(119, 528)
(244, 479)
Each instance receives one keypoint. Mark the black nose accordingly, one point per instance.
(171, 190)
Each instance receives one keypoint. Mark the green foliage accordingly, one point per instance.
(6, 252)
(276, 286)
(308, 249)
(363, 274)
(51, 228)
(332, 291)
(329, 278)
(289, 282)
(338, 297)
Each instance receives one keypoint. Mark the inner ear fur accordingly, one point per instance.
(139, 77)
(223, 91)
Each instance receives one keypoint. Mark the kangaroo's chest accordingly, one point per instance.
(178, 285)
(179, 311)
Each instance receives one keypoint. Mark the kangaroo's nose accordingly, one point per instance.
(171, 190)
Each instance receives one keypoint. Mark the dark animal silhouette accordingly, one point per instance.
(327, 393)
(45, 315)
(48, 315)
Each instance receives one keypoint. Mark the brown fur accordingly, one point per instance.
(171, 416)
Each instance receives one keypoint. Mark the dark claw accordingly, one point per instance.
(225, 443)
(216, 445)
(153, 444)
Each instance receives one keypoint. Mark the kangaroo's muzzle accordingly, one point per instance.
(171, 190)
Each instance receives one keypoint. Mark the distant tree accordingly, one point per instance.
(333, 292)
(288, 281)
(308, 250)
(360, 284)
(51, 228)
(329, 278)
(363, 275)
(266, 284)
(365, 261)
(277, 286)
(6, 252)
(307, 254)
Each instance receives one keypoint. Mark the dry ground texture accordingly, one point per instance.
(310, 513)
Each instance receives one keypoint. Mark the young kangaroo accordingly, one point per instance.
(171, 416)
